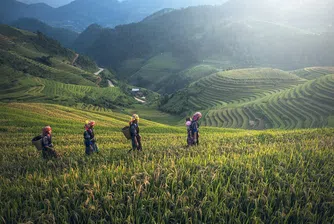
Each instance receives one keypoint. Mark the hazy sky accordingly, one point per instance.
(53, 3)
(57, 3)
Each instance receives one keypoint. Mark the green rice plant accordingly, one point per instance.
(235, 176)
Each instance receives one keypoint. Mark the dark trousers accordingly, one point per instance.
(91, 147)
(190, 140)
(49, 153)
(195, 138)
(134, 145)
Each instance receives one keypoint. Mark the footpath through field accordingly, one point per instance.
(139, 100)
(110, 84)
(98, 72)
(75, 59)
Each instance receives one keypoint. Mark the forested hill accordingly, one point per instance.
(79, 14)
(209, 33)
(64, 36)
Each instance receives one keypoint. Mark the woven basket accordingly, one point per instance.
(37, 142)
(126, 132)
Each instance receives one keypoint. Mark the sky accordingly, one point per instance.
(53, 3)
(57, 3)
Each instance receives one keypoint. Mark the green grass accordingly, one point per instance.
(199, 71)
(39, 56)
(34, 68)
(23, 51)
(66, 66)
(157, 70)
(233, 176)
(331, 121)
(129, 67)
(152, 114)
(62, 63)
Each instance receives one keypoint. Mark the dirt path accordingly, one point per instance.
(75, 59)
(98, 72)
(139, 100)
(110, 84)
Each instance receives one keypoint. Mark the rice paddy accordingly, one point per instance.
(234, 176)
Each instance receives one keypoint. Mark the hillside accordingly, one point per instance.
(87, 37)
(11, 10)
(314, 72)
(260, 99)
(225, 178)
(203, 35)
(35, 68)
(230, 87)
(41, 56)
(308, 105)
(77, 15)
(64, 36)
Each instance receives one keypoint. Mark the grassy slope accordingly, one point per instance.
(22, 88)
(156, 71)
(28, 76)
(164, 73)
(152, 114)
(267, 176)
(22, 50)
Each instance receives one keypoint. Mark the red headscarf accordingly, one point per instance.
(197, 116)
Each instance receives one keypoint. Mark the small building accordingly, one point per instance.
(135, 90)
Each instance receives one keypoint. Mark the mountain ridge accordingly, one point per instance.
(64, 36)
(79, 14)
(204, 35)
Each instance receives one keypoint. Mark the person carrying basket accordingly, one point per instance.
(134, 133)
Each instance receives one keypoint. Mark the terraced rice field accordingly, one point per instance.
(48, 72)
(239, 86)
(314, 72)
(234, 176)
(43, 90)
(307, 105)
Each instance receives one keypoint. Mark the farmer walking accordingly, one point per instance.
(189, 133)
(194, 128)
(48, 150)
(134, 132)
(89, 136)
